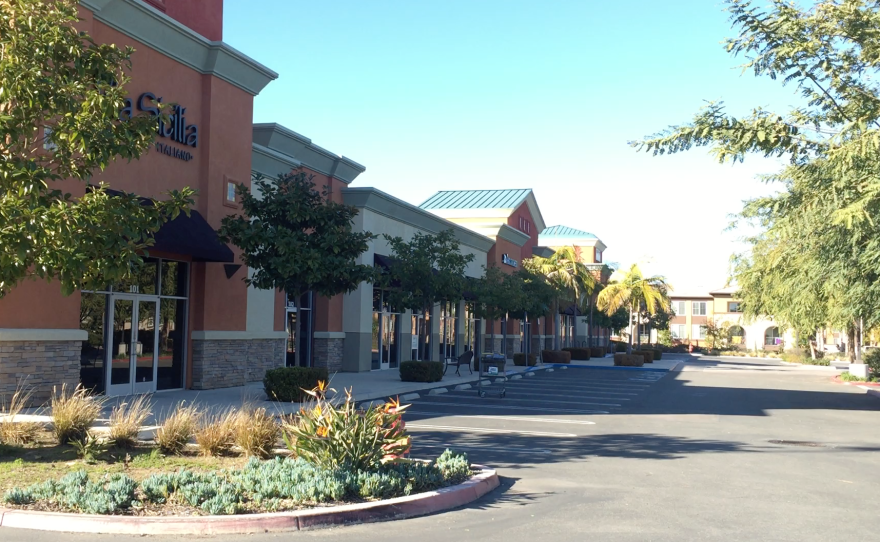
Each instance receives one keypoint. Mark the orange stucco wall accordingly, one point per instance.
(223, 114)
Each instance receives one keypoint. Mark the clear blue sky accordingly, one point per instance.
(450, 94)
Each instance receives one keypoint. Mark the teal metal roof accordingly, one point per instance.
(476, 199)
(565, 231)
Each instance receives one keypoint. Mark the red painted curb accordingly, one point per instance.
(314, 518)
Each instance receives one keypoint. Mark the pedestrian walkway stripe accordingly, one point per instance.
(499, 418)
(487, 430)
(512, 407)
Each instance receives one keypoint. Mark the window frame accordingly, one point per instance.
(704, 309)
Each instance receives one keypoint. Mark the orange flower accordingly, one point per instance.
(322, 386)
(316, 412)
(323, 431)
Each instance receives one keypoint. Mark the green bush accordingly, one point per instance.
(597, 352)
(421, 371)
(628, 360)
(872, 360)
(556, 356)
(262, 483)
(648, 355)
(519, 359)
(658, 353)
(578, 353)
(619, 346)
(286, 384)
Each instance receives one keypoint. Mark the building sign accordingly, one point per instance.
(177, 130)
(505, 259)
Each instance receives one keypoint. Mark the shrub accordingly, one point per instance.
(872, 360)
(14, 431)
(658, 353)
(648, 355)
(287, 384)
(178, 428)
(90, 447)
(77, 493)
(74, 412)
(342, 436)
(847, 377)
(556, 356)
(628, 360)
(214, 433)
(421, 371)
(256, 432)
(619, 346)
(579, 353)
(519, 359)
(126, 420)
(597, 352)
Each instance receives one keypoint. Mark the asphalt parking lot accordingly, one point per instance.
(720, 451)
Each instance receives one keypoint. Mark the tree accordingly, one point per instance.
(60, 100)
(537, 298)
(716, 333)
(818, 257)
(633, 290)
(568, 276)
(618, 320)
(427, 269)
(496, 294)
(296, 239)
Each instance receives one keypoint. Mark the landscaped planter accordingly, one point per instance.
(519, 359)
(628, 360)
(648, 355)
(420, 504)
(597, 352)
(556, 356)
(581, 354)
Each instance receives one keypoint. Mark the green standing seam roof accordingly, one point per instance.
(565, 231)
(476, 199)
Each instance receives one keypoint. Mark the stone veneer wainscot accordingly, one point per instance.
(224, 363)
(39, 365)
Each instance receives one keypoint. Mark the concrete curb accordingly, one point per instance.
(873, 391)
(410, 397)
(437, 391)
(422, 504)
(462, 387)
(616, 368)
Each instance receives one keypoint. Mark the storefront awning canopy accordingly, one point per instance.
(193, 236)
(188, 236)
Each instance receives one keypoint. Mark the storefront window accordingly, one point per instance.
(299, 331)
(421, 336)
(470, 329)
(448, 329)
(386, 332)
(139, 327)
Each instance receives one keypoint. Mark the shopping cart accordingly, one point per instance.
(492, 365)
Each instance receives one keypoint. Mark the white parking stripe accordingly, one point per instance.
(570, 390)
(487, 430)
(621, 381)
(517, 393)
(511, 407)
(597, 385)
(452, 397)
(507, 447)
(502, 418)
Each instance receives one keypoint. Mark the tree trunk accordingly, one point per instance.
(629, 346)
(556, 325)
(590, 324)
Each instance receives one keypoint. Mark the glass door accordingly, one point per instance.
(132, 364)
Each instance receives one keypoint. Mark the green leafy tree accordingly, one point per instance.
(60, 98)
(617, 321)
(538, 295)
(296, 239)
(496, 294)
(632, 290)
(427, 269)
(817, 260)
(568, 276)
(717, 333)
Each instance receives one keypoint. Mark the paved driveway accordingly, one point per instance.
(723, 450)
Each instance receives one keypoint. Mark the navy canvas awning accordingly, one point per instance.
(193, 236)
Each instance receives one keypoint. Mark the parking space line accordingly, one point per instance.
(517, 393)
(508, 448)
(569, 389)
(453, 397)
(513, 407)
(487, 430)
(502, 418)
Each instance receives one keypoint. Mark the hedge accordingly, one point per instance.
(286, 384)
(597, 352)
(421, 371)
(578, 353)
(556, 356)
(647, 354)
(619, 346)
(657, 353)
(627, 360)
(519, 359)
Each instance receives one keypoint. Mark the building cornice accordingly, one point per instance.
(387, 205)
(265, 161)
(513, 235)
(158, 31)
(299, 147)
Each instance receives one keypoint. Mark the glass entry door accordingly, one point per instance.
(133, 363)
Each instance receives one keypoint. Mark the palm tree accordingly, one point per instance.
(634, 290)
(570, 277)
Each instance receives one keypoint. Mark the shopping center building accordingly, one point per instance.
(188, 319)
